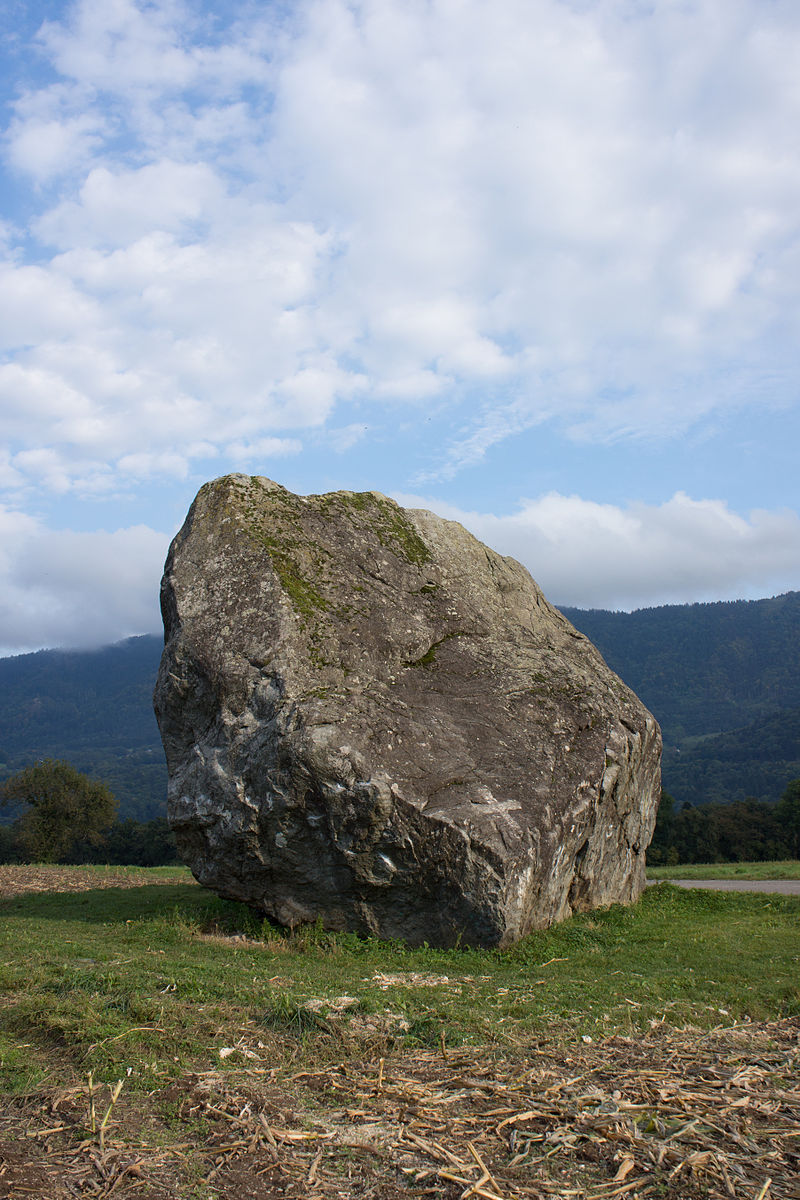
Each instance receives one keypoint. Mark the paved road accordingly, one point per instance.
(788, 887)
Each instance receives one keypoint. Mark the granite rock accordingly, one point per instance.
(371, 718)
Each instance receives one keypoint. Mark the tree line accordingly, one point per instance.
(723, 681)
(743, 831)
(93, 709)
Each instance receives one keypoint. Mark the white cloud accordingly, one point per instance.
(591, 555)
(588, 209)
(526, 161)
(346, 437)
(143, 351)
(44, 148)
(253, 452)
(115, 208)
(144, 466)
(46, 466)
(64, 588)
(37, 305)
(412, 385)
(118, 45)
(254, 231)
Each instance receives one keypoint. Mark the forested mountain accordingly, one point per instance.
(704, 668)
(758, 761)
(93, 708)
(723, 680)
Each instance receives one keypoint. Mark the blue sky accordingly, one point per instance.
(534, 265)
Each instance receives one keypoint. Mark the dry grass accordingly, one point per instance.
(22, 879)
(669, 1114)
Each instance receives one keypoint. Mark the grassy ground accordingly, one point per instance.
(159, 978)
(738, 870)
(158, 983)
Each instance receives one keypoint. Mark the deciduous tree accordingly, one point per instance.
(62, 806)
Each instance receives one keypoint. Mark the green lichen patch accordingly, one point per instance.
(317, 658)
(304, 596)
(391, 526)
(287, 551)
(404, 535)
(429, 657)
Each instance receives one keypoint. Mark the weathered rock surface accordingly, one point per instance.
(372, 718)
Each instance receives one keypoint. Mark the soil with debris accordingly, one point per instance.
(676, 1115)
(19, 880)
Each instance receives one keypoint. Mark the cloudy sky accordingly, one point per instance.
(533, 264)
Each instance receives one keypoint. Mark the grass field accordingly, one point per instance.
(739, 870)
(158, 983)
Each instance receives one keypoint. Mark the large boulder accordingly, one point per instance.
(371, 718)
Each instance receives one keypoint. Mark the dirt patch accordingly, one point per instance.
(18, 880)
(674, 1115)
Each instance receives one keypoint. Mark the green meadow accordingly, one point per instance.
(789, 869)
(150, 981)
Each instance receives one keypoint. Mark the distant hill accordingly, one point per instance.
(757, 761)
(704, 668)
(724, 682)
(93, 708)
(722, 679)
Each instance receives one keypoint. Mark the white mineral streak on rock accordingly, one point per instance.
(372, 718)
